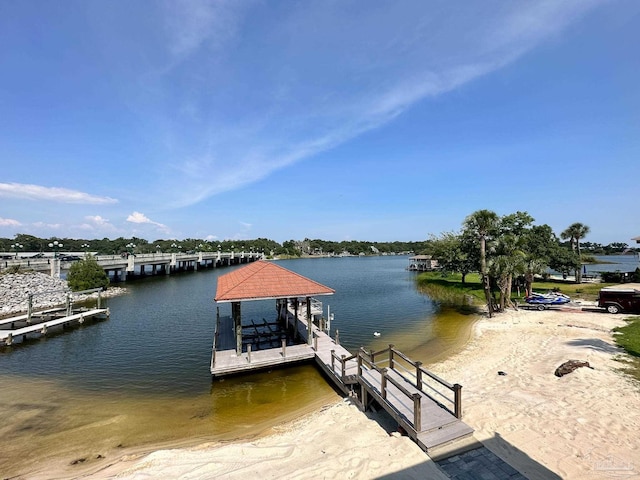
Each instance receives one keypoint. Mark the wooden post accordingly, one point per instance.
(359, 365)
(309, 321)
(99, 299)
(249, 352)
(364, 395)
(337, 337)
(239, 340)
(333, 360)
(343, 366)
(417, 412)
(9, 340)
(68, 304)
(418, 375)
(284, 348)
(383, 383)
(391, 356)
(44, 329)
(315, 343)
(457, 390)
(29, 308)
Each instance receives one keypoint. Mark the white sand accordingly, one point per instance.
(585, 425)
(337, 442)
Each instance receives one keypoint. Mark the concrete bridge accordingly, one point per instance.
(126, 266)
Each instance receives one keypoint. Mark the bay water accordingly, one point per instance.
(141, 380)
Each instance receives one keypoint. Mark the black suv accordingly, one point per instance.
(620, 299)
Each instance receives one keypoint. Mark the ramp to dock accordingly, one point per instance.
(427, 407)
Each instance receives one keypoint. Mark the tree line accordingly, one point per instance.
(509, 248)
(117, 246)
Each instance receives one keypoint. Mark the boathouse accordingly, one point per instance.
(422, 263)
(294, 296)
(426, 406)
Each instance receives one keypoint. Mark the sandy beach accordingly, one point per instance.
(582, 425)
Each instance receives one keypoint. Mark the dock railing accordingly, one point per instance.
(365, 359)
(448, 395)
(342, 359)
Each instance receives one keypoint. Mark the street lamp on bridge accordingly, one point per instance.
(17, 246)
(56, 246)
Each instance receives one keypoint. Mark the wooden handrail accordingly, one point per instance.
(437, 378)
(367, 359)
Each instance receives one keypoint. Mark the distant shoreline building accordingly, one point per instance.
(422, 263)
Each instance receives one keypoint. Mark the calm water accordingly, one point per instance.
(142, 377)
(615, 263)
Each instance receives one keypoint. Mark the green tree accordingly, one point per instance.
(86, 274)
(539, 244)
(483, 225)
(454, 253)
(574, 233)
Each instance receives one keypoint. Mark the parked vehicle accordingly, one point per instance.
(70, 258)
(620, 299)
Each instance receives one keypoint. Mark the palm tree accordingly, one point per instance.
(574, 233)
(482, 224)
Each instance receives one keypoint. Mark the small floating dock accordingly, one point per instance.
(427, 407)
(40, 322)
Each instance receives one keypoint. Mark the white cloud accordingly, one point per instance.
(51, 194)
(211, 238)
(98, 220)
(9, 222)
(141, 218)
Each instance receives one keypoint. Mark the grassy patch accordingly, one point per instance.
(440, 286)
(628, 337)
(450, 289)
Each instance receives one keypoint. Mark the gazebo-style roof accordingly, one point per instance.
(265, 280)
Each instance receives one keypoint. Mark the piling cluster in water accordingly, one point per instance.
(47, 292)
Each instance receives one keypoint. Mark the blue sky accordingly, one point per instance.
(340, 120)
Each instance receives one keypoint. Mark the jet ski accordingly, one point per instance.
(543, 300)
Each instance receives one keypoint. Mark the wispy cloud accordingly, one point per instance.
(327, 74)
(51, 194)
(190, 24)
(97, 223)
(9, 222)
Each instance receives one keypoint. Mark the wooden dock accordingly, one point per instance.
(41, 322)
(427, 407)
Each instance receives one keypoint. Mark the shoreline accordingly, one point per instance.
(574, 426)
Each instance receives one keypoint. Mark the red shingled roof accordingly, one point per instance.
(261, 280)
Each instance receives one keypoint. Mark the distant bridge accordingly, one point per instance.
(126, 266)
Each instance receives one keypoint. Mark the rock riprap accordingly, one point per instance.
(47, 292)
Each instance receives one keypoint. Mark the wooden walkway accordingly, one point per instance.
(42, 327)
(427, 407)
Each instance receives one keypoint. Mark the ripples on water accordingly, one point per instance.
(146, 369)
